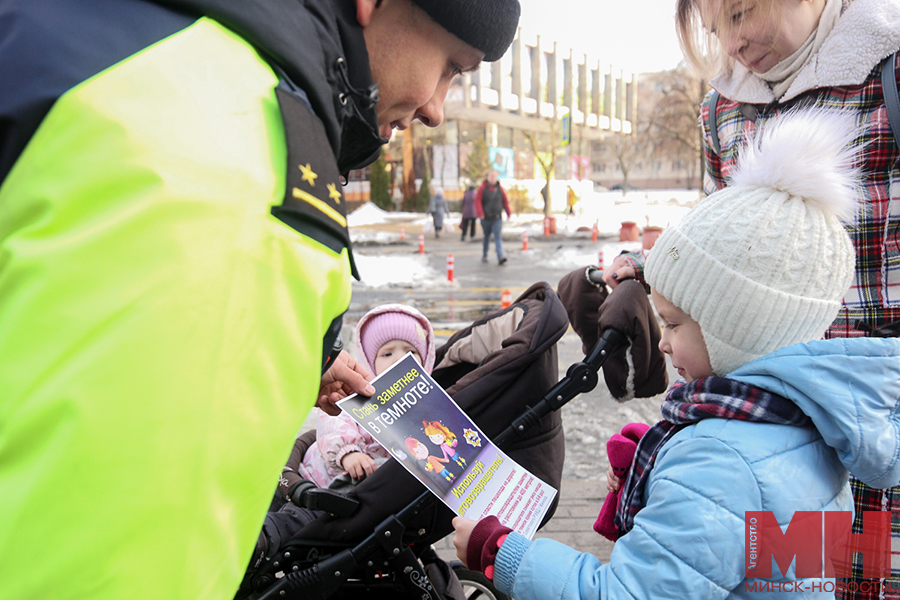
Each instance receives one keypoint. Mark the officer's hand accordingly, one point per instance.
(345, 376)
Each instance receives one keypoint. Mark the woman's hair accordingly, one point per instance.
(436, 427)
(701, 48)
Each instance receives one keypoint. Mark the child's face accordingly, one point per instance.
(760, 34)
(391, 352)
(682, 340)
(436, 438)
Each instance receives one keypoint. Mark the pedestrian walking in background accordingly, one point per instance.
(571, 200)
(438, 209)
(469, 216)
(828, 54)
(490, 204)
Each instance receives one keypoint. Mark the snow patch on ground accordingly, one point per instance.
(398, 271)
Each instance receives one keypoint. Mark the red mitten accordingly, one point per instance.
(620, 449)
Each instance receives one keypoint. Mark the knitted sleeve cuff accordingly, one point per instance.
(635, 261)
(486, 539)
(341, 453)
(507, 561)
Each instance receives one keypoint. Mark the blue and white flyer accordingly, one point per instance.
(423, 428)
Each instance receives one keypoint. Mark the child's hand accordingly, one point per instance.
(463, 529)
(358, 465)
(613, 483)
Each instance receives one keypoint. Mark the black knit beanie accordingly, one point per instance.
(486, 25)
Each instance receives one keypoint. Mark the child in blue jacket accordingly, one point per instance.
(768, 417)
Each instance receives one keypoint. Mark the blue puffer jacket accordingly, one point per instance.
(688, 541)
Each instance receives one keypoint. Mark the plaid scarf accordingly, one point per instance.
(686, 403)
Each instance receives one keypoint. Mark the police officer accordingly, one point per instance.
(174, 263)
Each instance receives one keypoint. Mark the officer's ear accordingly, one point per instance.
(364, 10)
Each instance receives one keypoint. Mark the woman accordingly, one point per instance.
(438, 210)
(828, 54)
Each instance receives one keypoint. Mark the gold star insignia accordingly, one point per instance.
(333, 193)
(308, 174)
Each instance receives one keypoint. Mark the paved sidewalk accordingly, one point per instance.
(580, 501)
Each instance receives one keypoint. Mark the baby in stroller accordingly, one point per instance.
(493, 369)
(340, 453)
(344, 452)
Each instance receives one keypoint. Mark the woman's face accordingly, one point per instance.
(759, 35)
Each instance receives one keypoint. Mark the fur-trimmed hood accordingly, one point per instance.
(867, 32)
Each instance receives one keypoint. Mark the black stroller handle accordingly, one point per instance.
(580, 378)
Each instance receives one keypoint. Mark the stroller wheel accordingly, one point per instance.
(475, 585)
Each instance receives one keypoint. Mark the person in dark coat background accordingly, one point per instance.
(469, 216)
(438, 209)
(490, 203)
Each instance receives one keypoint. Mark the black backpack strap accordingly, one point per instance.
(712, 121)
(891, 98)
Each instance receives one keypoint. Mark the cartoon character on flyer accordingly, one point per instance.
(432, 463)
(446, 439)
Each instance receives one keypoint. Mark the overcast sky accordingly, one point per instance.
(635, 35)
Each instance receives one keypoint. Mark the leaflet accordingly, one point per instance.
(424, 429)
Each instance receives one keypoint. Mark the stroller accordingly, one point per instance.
(376, 541)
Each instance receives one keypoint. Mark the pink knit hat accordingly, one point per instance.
(395, 322)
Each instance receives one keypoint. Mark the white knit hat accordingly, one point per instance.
(764, 262)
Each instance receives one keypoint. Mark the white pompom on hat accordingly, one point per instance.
(763, 263)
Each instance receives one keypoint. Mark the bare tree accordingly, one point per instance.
(629, 149)
(674, 118)
(478, 163)
(553, 150)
